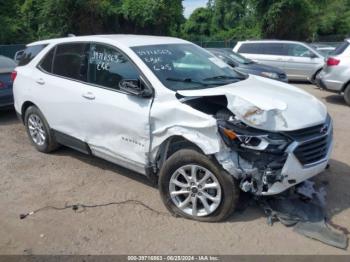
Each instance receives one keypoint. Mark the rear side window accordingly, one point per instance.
(71, 61)
(341, 48)
(272, 49)
(262, 48)
(47, 63)
(251, 48)
(30, 53)
(108, 66)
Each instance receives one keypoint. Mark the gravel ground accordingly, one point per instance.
(30, 180)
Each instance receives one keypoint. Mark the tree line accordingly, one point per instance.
(23, 21)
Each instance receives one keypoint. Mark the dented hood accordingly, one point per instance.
(267, 104)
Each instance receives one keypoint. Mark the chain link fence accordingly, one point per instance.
(10, 50)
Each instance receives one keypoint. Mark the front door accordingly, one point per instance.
(116, 124)
(300, 63)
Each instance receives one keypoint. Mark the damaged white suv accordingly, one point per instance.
(170, 110)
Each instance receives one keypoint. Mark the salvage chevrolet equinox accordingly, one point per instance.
(170, 110)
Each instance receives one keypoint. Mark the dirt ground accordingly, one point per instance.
(30, 180)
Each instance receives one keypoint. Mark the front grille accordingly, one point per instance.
(313, 142)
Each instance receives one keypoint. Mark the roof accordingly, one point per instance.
(6, 64)
(126, 40)
(271, 41)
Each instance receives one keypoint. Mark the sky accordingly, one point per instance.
(191, 5)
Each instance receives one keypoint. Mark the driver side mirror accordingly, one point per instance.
(135, 87)
(312, 55)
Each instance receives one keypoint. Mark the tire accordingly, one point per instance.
(221, 198)
(347, 94)
(35, 123)
(313, 80)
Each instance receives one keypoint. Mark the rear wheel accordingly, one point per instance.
(193, 186)
(347, 94)
(39, 131)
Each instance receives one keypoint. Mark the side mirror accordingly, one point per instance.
(313, 55)
(135, 87)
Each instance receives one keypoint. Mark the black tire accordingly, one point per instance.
(347, 94)
(49, 143)
(313, 80)
(229, 189)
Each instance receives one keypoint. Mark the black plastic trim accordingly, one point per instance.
(72, 142)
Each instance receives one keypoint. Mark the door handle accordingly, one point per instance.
(88, 95)
(40, 81)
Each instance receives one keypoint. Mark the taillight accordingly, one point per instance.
(13, 75)
(2, 85)
(332, 61)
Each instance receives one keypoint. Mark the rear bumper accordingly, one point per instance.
(6, 97)
(328, 82)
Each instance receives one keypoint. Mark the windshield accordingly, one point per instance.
(186, 66)
(240, 59)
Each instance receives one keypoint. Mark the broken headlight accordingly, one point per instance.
(236, 134)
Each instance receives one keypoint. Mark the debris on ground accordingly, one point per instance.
(304, 209)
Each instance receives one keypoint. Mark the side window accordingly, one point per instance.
(298, 50)
(341, 48)
(29, 54)
(272, 49)
(71, 60)
(107, 67)
(249, 48)
(47, 63)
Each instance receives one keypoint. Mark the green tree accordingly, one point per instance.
(10, 29)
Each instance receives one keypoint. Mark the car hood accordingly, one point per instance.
(268, 104)
(261, 68)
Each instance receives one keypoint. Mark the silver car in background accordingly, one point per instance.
(299, 60)
(335, 75)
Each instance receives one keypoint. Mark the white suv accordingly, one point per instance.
(170, 110)
(335, 75)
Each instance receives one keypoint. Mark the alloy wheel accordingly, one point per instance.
(195, 190)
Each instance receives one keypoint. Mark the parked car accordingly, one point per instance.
(335, 75)
(248, 66)
(324, 50)
(297, 59)
(170, 110)
(7, 66)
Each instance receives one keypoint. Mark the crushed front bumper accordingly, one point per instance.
(299, 165)
(294, 172)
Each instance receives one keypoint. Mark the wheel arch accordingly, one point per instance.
(24, 108)
(171, 145)
(315, 74)
(346, 85)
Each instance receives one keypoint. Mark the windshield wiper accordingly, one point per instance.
(221, 77)
(186, 80)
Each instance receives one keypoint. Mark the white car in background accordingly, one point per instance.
(172, 111)
(335, 75)
(299, 60)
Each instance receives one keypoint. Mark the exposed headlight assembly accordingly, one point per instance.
(248, 138)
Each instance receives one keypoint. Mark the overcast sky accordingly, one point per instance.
(190, 5)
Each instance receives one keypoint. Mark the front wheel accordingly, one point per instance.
(193, 186)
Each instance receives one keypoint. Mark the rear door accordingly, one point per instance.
(301, 62)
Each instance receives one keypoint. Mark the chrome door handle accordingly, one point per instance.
(89, 96)
(40, 81)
